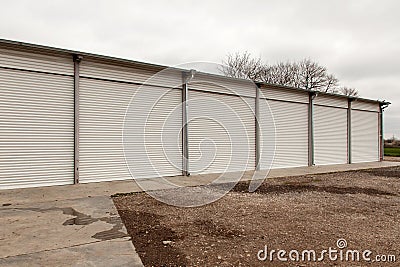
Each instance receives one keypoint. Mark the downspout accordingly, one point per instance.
(382, 107)
(257, 133)
(349, 145)
(311, 96)
(77, 60)
(186, 78)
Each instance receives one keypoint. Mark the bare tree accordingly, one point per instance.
(305, 74)
(331, 83)
(242, 66)
(283, 73)
(312, 76)
(348, 91)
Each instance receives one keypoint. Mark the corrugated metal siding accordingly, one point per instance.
(212, 83)
(103, 106)
(36, 129)
(291, 133)
(363, 105)
(36, 61)
(331, 101)
(284, 94)
(221, 133)
(153, 133)
(138, 74)
(330, 135)
(364, 136)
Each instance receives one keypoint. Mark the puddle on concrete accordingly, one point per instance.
(80, 218)
(114, 232)
(85, 219)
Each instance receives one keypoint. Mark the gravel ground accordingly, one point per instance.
(294, 213)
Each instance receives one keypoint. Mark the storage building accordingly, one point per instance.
(63, 120)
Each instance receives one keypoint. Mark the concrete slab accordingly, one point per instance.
(83, 231)
(119, 253)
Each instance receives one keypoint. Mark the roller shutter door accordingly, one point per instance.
(36, 125)
(330, 135)
(364, 136)
(291, 133)
(103, 106)
(221, 133)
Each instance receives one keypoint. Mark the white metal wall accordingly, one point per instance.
(36, 128)
(291, 127)
(152, 133)
(103, 107)
(330, 130)
(95, 68)
(33, 60)
(364, 105)
(221, 133)
(225, 85)
(330, 135)
(291, 134)
(364, 136)
(37, 122)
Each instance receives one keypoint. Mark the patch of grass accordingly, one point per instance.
(392, 151)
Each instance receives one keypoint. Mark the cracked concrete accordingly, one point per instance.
(75, 232)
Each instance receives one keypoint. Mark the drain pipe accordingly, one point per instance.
(382, 107)
(257, 122)
(77, 60)
(349, 145)
(311, 96)
(186, 78)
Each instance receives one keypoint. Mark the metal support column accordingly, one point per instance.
(381, 140)
(257, 133)
(186, 77)
(349, 100)
(77, 59)
(382, 107)
(311, 96)
(349, 146)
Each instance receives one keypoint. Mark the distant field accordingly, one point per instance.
(392, 151)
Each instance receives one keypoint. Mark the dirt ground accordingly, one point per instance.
(294, 213)
(387, 158)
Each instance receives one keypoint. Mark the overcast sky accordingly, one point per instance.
(359, 41)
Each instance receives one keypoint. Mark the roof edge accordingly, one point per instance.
(46, 48)
(161, 67)
(354, 98)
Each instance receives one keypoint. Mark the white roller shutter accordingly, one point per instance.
(291, 133)
(153, 133)
(330, 135)
(36, 125)
(364, 136)
(103, 106)
(221, 133)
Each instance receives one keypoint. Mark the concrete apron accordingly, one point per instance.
(78, 225)
(66, 192)
(77, 232)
